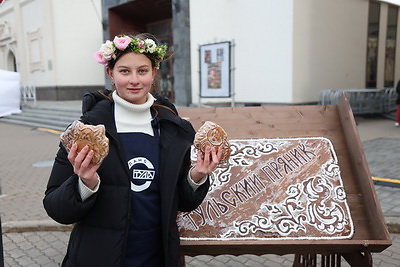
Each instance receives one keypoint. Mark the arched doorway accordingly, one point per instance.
(11, 62)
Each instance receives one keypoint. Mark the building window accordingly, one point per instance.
(35, 44)
(372, 44)
(390, 46)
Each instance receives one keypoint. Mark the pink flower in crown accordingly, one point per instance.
(121, 42)
(141, 46)
(98, 56)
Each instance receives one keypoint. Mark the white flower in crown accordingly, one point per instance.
(108, 49)
(150, 45)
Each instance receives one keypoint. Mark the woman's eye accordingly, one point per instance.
(142, 71)
(124, 71)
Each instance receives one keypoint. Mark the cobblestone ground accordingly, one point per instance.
(22, 182)
(381, 153)
(24, 172)
(47, 249)
(387, 196)
(34, 249)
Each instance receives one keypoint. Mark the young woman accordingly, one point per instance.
(124, 209)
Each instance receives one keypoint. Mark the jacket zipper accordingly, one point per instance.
(122, 159)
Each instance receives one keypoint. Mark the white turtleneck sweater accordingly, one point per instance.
(133, 117)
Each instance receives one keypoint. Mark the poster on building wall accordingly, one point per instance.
(215, 70)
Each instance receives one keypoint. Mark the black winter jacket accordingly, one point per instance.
(101, 222)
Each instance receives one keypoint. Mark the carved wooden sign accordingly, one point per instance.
(273, 189)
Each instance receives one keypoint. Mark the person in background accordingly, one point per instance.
(124, 209)
(397, 123)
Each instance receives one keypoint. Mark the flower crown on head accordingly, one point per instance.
(108, 50)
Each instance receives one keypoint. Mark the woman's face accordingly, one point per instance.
(133, 76)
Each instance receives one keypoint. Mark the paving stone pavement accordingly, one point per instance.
(379, 160)
(27, 155)
(47, 249)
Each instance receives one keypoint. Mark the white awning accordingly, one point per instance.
(9, 92)
(393, 2)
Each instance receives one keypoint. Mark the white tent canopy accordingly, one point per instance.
(393, 2)
(9, 92)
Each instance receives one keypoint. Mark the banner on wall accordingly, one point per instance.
(9, 92)
(215, 70)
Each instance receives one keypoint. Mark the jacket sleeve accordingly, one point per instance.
(188, 198)
(62, 201)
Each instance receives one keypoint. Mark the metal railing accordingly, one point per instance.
(28, 93)
(363, 101)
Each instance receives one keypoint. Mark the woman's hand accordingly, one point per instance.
(207, 164)
(82, 166)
